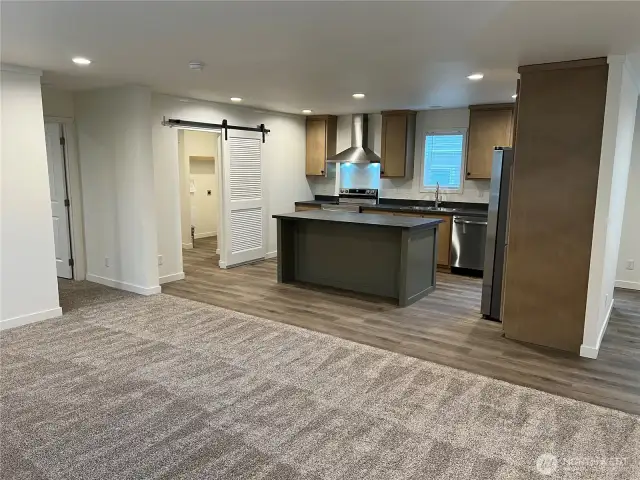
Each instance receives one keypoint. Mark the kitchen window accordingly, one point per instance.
(443, 161)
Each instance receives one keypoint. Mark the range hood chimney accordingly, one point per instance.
(359, 152)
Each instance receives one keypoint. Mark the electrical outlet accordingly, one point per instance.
(160, 260)
(631, 264)
(606, 300)
(106, 261)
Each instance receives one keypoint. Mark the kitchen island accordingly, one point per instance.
(374, 254)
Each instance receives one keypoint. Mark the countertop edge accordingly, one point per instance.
(431, 223)
(403, 209)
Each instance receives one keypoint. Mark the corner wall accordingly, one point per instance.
(283, 154)
(116, 164)
(28, 285)
(630, 241)
(615, 157)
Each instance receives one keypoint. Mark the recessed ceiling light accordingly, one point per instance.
(81, 61)
(235, 99)
(476, 76)
(515, 95)
(358, 95)
(306, 112)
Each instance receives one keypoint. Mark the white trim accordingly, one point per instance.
(6, 67)
(273, 254)
(222, 264)
(627, 284)
(217, 251)
(30, 318)
(171, 278)
(129, 287)
(463, 165)
(205, 235)
(590, 351)
(187, 246)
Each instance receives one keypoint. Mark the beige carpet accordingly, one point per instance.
(160, 387)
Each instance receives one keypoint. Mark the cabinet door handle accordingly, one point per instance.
(467, 222)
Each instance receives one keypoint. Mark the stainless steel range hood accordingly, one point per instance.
(359, 152)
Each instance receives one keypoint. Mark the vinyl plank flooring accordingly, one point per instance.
(445, 327)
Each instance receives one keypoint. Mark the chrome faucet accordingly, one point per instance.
(437, 200)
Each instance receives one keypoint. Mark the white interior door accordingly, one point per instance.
(58, 190)
(243, 199)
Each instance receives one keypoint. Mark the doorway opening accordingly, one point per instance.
(200, 192)
(60, 199)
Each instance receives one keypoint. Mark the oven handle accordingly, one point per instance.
(468, 222)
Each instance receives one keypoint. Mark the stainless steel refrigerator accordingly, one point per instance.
(496, 241)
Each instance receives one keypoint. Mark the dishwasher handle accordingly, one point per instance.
(468, 222)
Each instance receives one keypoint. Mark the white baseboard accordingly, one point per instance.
(629, 285)
(205, 235)
(171, 278)
(30, 318)
(129, 287)
(187, 246)
(273, 254)
(591, 351)
(222, 264)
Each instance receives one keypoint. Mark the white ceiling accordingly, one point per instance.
(288, 56)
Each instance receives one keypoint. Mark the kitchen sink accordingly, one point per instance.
(434, 209)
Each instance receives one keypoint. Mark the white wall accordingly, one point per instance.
(116, 163)
(476, 191)
(615, 156)
(630, 241)
(28, 286)
(283, 153)
(57, 103)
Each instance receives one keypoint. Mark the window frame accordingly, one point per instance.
(463, 161)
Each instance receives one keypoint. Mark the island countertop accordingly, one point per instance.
(362, 219)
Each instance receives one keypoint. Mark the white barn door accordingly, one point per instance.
(58, 192)
(243, 199)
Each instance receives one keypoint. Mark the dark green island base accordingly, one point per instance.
(385, 255)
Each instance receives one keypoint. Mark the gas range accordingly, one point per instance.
(351, 199)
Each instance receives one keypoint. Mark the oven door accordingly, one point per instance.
(331, 207)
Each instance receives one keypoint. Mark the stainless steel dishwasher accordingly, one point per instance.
(467, 242)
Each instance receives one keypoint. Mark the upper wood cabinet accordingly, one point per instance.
(398, 143)
(321, 143)
(489, 126)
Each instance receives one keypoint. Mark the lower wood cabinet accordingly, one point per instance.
(304, 208)
(444, 240)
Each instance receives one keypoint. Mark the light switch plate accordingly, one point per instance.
(160, 260)
(631, 264)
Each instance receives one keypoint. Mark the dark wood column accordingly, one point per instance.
(560, 116)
